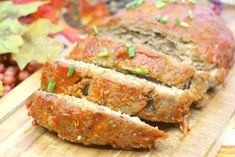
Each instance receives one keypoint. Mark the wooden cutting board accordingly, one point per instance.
(19, 138)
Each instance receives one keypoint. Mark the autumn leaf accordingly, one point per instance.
(1, 89)
(10, 28)
(37, 45)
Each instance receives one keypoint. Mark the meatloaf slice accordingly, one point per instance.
(202, 40)
(81, 121)
(118, 91)
(161, 68)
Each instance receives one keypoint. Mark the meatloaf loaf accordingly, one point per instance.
(118, 91)
(188, 32)
(160, 68)
(81, 121)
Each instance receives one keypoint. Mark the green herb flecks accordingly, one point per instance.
(190, 15)
(181, 23)
(162, 19)
(104, 53)
(131, 52)
(70, 71)
(134, 3)
(142, 71)
(51, 86)
(160, 4)
(96, 30)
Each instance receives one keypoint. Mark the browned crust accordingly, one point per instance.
(136, 100)
(89, 127)
(214, 41)
(99, 90)
(161, 67)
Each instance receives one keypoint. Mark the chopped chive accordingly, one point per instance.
(70, 71)
(142, 71)
(192, 1)
(190, 15)
(51, 86)
(140, 1)
(181, 23)
(160, 4)
(184, 24)
(177, 21)
(158, 17)
(104, 53)
(96, 30)
(131, 52)
(128, 45)
(131, 4)
(134, 3)
(164, 19)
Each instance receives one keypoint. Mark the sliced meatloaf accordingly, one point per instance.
(189, 33)
(80, 121)
(118, 91)
(160, 67)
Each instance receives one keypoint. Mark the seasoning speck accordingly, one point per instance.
(181, 23)
(70, 71)
(104, 53)
(96, 30)
(51, 86)
(142, 71)
(190, 15)
(131, 52)
(160, 4)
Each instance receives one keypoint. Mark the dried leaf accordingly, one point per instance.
(10, 10)
(10, 28)
(37, 45)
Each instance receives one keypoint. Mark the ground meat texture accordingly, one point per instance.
(207, 44)
(82, 122)
(118, 91)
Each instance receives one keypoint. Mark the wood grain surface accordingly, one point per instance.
(19, 138)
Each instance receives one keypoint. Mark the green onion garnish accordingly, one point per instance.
(96, 30)
(142, 71)
(134, 3)
(70, 71)
(190, 15)
(131, 52)
(158, 18)
(140, 1)
(51, 86)
(181, 23)
(104, 53)
(162, 19)
(192, 1)
(131, 4)
(160, 4)
(128, 45)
